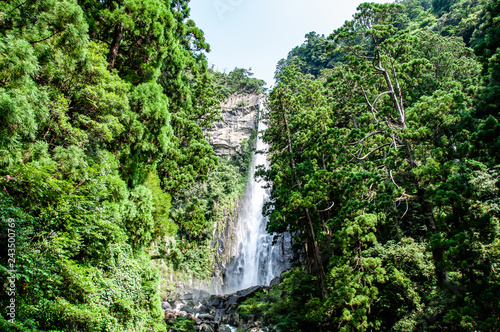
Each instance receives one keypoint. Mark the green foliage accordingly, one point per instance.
(102, 109)
(461, 18)
(239, 80)
(382, 162)
(164, 226)
(353, 275)
(293, 305)
(149, 135)
(182, 324)
(243, 158)
(77, 271)
(486, 47)
(409, 288)
(311, 57)
(212, 201)
(488, 55)
(384, 143)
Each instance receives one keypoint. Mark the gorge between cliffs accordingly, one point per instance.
(249, 259)
(249, 255)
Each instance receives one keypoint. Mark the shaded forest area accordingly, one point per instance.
(384, 149)
(105, 171)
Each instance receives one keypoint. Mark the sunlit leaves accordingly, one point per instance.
(392, 134)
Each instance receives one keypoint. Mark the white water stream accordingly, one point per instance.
(257, 261)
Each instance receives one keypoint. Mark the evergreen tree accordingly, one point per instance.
(378, 155)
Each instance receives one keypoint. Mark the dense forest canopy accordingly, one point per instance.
(239, 80)
(384, 148)
(384, 164)
(104, 164)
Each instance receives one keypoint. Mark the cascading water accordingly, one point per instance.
(257, 260)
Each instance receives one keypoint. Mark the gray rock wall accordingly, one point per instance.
(223, 243)
(239, 114)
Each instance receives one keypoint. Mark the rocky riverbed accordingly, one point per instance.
(213, 313)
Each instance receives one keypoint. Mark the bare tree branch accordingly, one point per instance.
(21, 4)
(328, 208)
(392, 178)
(366, 137)
(372, 108)
(399, 91)
(44, 39)
(359, 55)
(373, 151)
(379, 96)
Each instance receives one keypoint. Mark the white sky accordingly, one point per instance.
(258, 33)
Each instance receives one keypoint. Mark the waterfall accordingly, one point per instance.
(258, 261)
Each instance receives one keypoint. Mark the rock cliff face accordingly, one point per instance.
(239, 114)
(223, 237)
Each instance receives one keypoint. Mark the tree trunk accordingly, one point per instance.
(115, 45)
(397, 103)
(317, 255)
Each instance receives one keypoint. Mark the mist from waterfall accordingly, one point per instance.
(257, 260)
